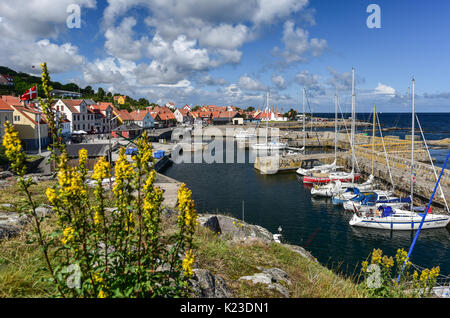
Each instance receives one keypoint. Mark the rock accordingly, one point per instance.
(8, 206)
(11, 224)
(213, 224)
(273, 278)
(6, 174)
(43, 211)
(301, 251)
(238, 230)
(206, 285)
(8, 231)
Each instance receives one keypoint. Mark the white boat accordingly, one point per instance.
(244, 135)
(269, 145)
(335, 188)
(321, 168)
(382, 198)
(387, 218)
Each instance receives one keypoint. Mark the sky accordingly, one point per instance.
(232, 52)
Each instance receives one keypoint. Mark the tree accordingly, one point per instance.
(100, 93)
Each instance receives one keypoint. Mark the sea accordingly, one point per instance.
(282, 200)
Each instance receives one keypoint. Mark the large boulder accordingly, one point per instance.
(236, 229)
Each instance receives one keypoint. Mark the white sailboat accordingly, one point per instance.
(323, 178)
(272, 145)
(388, 218)
(320, 168)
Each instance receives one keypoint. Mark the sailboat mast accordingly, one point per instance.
(267, 122)
(412, 141)
(373, 138)
(353, 124)
(304, 120)
(335, 126)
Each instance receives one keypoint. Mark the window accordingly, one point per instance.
(16, 118)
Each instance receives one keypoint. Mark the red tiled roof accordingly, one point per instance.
(12, 100)
(138, 115)
(4, 105)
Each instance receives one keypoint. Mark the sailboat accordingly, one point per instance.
(342, 176)
(323, 168)
(389, 218)
(272, 145)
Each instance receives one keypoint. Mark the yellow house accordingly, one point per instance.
(120, 99)
(25, 121)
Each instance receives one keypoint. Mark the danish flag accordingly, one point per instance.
(29, 94)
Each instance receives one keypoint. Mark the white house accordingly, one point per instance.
(81, 117)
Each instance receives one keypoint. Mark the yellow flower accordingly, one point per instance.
(376, 256)
(188, 263)
(388, 261)
(68, 233)
(101, 294)
(101, 170)
(82, 157)
(13, 149)
(98, 218)
(51, 195)
(364, 266)
(188, 214)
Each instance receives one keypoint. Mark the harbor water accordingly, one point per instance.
(316, 224)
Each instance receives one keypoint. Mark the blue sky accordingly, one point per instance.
(230, 52)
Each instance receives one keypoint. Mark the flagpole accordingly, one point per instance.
(39, 121)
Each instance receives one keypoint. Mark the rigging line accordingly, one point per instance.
(432, 164)
(423, 218)
(309, 106)
(385, 153)
(348, 137)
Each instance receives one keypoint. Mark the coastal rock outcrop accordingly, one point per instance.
(274, 278)
(206, 285)
(236, 229)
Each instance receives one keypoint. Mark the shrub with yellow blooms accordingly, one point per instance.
(119, 252)
(380, 276)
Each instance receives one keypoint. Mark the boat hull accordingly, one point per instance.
(325, 180)
(400, 223)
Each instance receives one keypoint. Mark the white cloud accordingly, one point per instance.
(279, 82)
(120, 42)
(382, 89)
(297, 44)
(248, 83)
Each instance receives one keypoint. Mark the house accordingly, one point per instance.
(171, 106)
(163, 116)
(130, 131)
(204, 116)
(120, 99)
(6, 114)
(227, 117)
(123, 116)
(6, 80)
(31, 125)
(182, 116)
(187, 107)
(78, 113)
(143, 119)
(107, 120)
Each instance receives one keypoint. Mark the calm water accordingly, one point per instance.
(283, 200)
